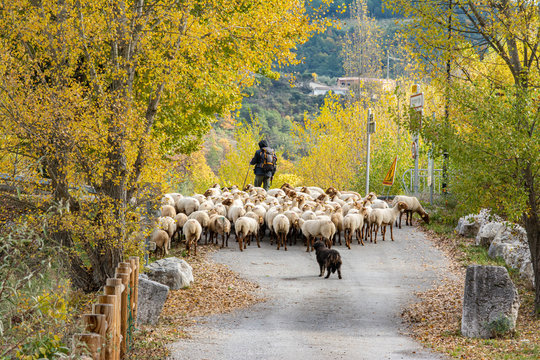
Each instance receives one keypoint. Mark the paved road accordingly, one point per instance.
(308, 317)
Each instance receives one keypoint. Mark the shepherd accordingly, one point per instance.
(265, 165)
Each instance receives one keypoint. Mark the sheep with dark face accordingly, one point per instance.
(413, 206)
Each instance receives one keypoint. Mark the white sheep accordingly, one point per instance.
(187, 205)
(294, 229)
(167, 200)
(200, 197)
(246, 227)
(220, 225)
(337, 219)
(413, 206)
(235, 212)
(168, 210)
(180, 220)
(204, 219)
(168, 225)
(384, 217)
(379, 204)
(206, 205)
(281, 226)
(192, 231)
(352, 224)
(161, 239)
(323, 228)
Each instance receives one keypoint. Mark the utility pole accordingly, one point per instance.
(388, 57)
(417, 107)
(370, 129)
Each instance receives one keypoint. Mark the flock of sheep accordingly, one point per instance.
(288, 213)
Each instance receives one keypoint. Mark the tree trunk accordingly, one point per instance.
(531, 221)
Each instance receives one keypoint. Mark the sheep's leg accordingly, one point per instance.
(359, 237)
(376, 227)
(339, 237)
(195, 248)
(278, 241)
(400, 215)
(240, 245)
(258, 241)
(187, 247)
(383, 231)
(285, 241)
(391, 232)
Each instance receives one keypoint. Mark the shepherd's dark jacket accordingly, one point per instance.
(258, 161)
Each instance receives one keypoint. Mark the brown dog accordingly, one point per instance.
(328, 259)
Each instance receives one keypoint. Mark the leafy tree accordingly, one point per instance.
(483, 56)
(362, 45)
(235, 169)
(334, 145)
(96, 91)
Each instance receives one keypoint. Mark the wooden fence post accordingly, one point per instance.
(116, 291)
(107, 310)
(97, 323)
(124, 309)
(89, 341)
(134, 260)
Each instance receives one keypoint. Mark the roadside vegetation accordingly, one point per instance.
(435, 320)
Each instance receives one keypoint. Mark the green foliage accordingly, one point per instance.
(500, 326)
(235, 169)
(34, 298)
(321, 54)
(277, 106)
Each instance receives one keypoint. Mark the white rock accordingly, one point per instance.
(527, 272)
(173, 272)
(487, 233)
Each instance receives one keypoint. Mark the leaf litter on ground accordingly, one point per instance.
(216, 290)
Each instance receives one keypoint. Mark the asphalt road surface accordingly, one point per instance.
(309, 317)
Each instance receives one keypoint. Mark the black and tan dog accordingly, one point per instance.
(328, 259)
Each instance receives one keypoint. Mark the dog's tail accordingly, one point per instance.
(334, 261)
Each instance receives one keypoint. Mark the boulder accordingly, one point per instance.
(516, 255)
(152, 296)
(468, 226)
(173, 272)
(487, 233)
(510, 243)
(490, 302)
(499, 249)
(527, 272)
(511, 233)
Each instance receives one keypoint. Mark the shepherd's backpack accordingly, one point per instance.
(269, 159)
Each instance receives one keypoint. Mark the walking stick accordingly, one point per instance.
(244, 184)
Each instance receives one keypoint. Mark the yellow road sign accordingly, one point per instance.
(389, 178)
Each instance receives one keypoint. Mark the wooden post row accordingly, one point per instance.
(108, 324)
